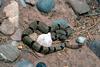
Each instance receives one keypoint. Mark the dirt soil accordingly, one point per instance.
(86, 26)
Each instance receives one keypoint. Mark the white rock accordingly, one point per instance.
(12, 12)
(17, 35)
(45, 40)
(81, 40)
(7, 28)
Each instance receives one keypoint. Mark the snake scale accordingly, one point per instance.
(43, 28)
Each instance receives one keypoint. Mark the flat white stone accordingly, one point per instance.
(45, 40)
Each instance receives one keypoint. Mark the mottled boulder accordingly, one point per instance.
(12, 12)
(45, 6)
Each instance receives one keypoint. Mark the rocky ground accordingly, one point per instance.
(86, 26)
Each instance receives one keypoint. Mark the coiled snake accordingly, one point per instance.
(56, 33)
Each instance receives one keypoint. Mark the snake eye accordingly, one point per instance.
(37, 22)
(59, 25)
(49, 29)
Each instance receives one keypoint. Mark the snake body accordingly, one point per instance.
(56, 33)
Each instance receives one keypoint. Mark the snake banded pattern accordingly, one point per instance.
(43, 28)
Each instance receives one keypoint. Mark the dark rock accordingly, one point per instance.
(45, 6)
(98, 1)
(95, 47)
(41, 64)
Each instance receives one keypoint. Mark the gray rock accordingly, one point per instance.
(22, 2)
(0, 3)
(8, 52)
(24, 63)
(79, 6)
(7, 28)
(17, 35)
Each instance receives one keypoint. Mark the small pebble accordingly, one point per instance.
(81, 40)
